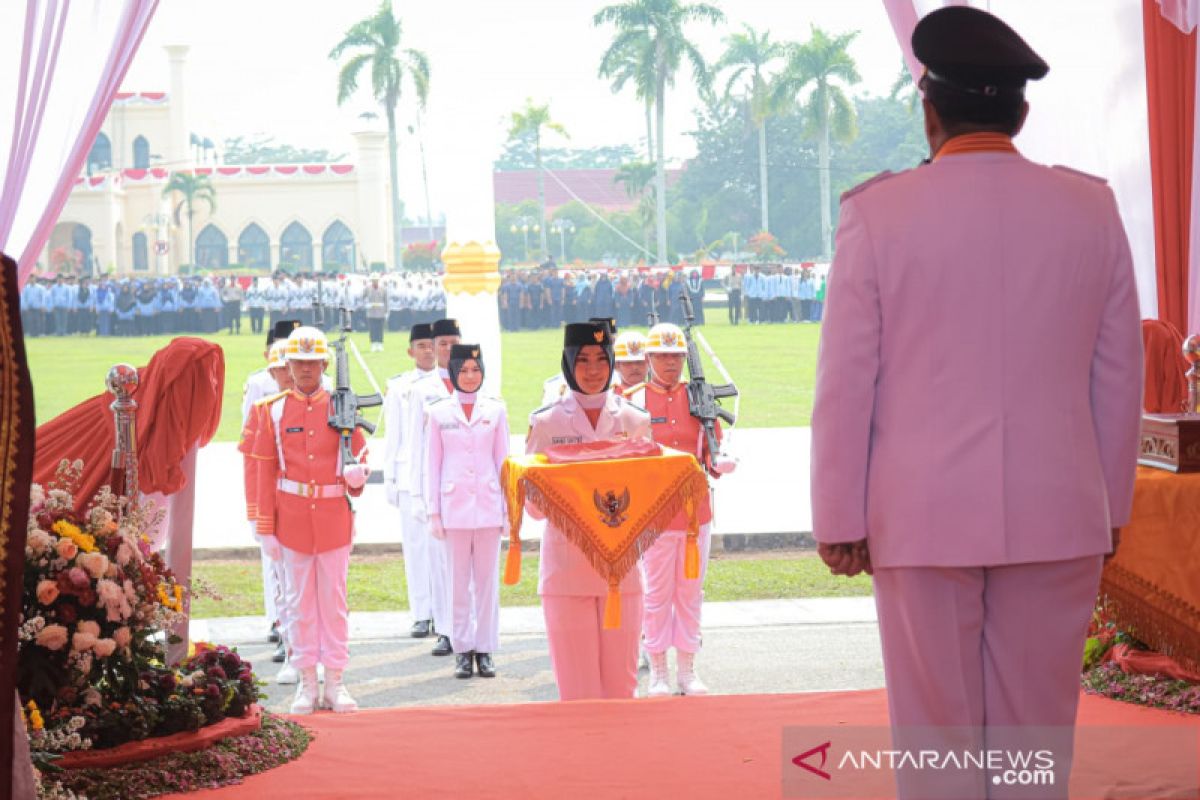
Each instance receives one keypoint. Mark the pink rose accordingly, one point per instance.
(38, 541)
(92, 697)
(95, 563)
(113, 600)
(122, 636)
(66, 548)
(52, 637)
(124, 554)
(47, 592)
(104, 648)
(89, 626)
(82, 642)
(79, 579)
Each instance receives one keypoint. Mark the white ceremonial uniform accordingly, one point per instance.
(260, 384)
(424, 392)
(462, 485)
(588, 661)
(398, 483)
(554, 389)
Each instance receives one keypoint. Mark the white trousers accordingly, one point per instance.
(673, 602)
(474, 572)
(319, 630)
(418, 569)
(274, 587)
(589, 662)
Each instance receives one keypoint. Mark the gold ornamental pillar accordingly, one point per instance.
(471, 282)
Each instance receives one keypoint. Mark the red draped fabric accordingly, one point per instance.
(1170, 96)
(1166, 387)
(179, 405)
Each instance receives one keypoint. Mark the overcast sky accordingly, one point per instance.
(262, 66)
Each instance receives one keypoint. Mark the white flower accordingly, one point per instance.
(37, 541)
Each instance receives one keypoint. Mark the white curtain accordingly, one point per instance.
(1090, 112)
(60, 66)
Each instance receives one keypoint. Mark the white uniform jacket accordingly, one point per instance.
(463, 460)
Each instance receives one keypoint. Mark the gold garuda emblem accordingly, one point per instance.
(598, 336)
(669, 339)
(612, 508)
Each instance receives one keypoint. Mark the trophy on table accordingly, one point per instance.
(1172, 441)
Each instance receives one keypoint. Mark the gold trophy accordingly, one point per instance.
(1191, 352)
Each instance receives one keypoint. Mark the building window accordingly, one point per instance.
(295, 248)
(141, 153)
(254, 248)
(141, 254)
(100, 156)
(212, 248)
(337, 249)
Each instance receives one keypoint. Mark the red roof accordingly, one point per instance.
(596, 187)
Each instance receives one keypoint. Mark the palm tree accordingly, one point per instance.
(662, 23)
(904, 90)
(194, 189)
(631, 58)
(376, 43)
(818, 66)
(529, 123)
(747, 55)
(637, 178)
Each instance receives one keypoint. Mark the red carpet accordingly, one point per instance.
(706, 747)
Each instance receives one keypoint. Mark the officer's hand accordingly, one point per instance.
(723, 464)
(271, 547)
(1116, 542)
(356, 475)
(435, 527)
(846, 558)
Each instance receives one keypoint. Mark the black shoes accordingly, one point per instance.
(280, 654)
(443, 648)
(486, 668)
(463, 665)
(273, 637)
(421, 628)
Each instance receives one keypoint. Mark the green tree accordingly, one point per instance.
(905, 90)
(192, 189)
(747, 56)
(265, 150)
(820, 66)
(528, 124)
(637, 178)
(375, 45)
(663, 24)
(631, 58)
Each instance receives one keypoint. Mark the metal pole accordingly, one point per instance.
(179, 550)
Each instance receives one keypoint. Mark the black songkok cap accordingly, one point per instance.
(974, 52)
(422, 330)
(580, 334)
(446, 327)
(282, 330)
(608, 322)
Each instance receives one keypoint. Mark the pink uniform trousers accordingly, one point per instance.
(589, 662)
(984, 654)
(474, 572)
(319, 630)
(672, 614)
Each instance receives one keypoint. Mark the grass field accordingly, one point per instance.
(377, 583)
(773, 365)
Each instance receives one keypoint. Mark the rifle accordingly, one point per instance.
(652, 317)
(703, 397)
(345, 416)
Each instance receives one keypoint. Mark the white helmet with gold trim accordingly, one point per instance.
(630, 346)
(277, 354)
(666, 338)
(307, 343)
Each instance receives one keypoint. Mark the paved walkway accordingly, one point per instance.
(767, 495)
(750, 647)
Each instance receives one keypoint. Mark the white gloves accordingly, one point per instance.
(436, 529)
(723, 464)
(271, 546)
(356, 475)
(418, 510)
(393, 494)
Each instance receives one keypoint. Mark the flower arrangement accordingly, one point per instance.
(91, 664)
(765, 246)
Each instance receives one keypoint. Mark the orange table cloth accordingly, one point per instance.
(611, 509)
(1152, 585)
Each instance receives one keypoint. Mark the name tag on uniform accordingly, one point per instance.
(295, 430)
(657, 420)
(566, 439)
(449, 426)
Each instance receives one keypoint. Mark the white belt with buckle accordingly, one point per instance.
(314, 490)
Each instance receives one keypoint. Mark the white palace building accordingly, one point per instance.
(298, 217)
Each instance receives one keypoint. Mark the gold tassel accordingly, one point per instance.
(512, 564)
(691, 551)
(612, 608)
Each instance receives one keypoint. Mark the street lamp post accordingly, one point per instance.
(525, 224)
(562, 227)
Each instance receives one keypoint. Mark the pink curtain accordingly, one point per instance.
(71, 61)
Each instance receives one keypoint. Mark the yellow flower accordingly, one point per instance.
(66, 530)
(35, 719)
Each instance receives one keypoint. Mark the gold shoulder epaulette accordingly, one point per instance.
(632, 390)
(271, 398)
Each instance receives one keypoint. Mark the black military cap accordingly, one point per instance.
(446, 327)
(607, 322)
(462, 352)
(282, 330)
(973, 51)
(422, 330)
(580, 334)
